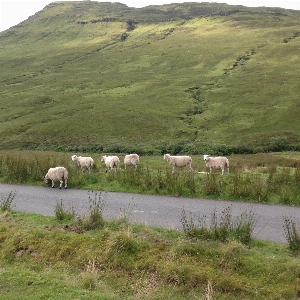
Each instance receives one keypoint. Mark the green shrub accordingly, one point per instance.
(278, 143)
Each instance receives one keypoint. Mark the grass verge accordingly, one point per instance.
(49, 258)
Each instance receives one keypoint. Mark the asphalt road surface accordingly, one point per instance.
(155, 211)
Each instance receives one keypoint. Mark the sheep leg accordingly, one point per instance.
(190, 167)
(53, 183)
(61, 182)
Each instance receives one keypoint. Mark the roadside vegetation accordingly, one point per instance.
(86, 257)
(268, 178)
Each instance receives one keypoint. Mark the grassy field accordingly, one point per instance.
(199, 74)
(63, 257)
(268, 178)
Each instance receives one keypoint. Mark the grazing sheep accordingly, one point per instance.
(110, 162)
(57, 174)
(131, 160)
(216, 162)
(83, 162)
(179, 161)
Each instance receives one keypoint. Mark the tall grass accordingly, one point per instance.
(29, 167)
(259, 179)
(79, 224)
(221, 228)
(292, 234)
(6, 201)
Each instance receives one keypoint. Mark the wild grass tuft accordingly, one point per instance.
(6, 201)
(292, 233)
(124, 216)
(94, 220)
(63, 214)
(221, 228)
(90, 276)
(209, 292)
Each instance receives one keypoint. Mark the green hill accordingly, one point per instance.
(90, 74)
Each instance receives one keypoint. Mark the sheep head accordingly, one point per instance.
(166, 157)
(46, 179)
(206, 156)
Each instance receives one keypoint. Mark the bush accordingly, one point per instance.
(279, 143)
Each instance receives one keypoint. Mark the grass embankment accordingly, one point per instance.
(64, 257)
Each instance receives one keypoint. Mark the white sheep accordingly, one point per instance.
(57, 174)
(179, 161)
(216, 162)
(83, 162)
(110, 162)
(131, 160)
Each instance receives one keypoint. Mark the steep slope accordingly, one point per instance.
(85, 73)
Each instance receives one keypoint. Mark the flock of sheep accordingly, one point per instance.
(61, 174)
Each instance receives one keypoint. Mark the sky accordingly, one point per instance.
(12, 12)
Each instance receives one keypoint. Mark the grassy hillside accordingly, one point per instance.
(89, 73)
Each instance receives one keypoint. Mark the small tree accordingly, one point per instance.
(130, 25)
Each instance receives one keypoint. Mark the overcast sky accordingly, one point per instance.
(13, 12)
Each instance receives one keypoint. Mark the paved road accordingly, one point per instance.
(156, 211)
